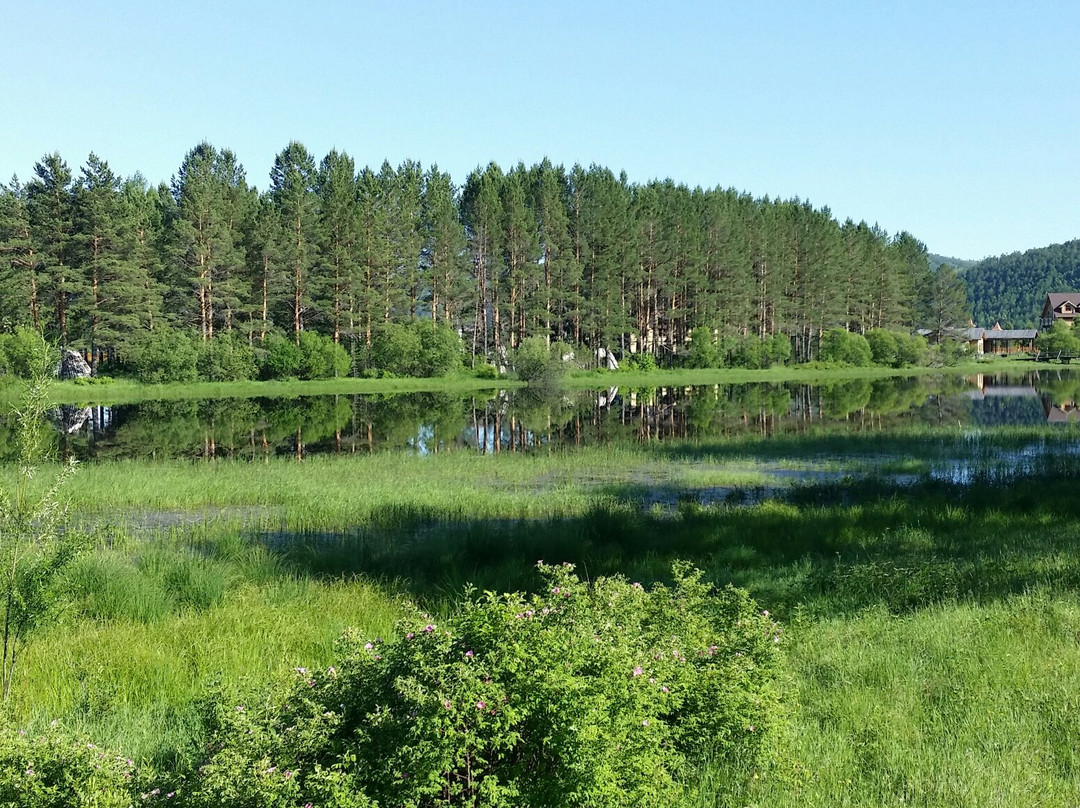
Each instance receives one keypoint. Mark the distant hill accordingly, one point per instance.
(960, 264)
(1011, 288)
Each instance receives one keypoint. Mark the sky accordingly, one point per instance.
(958, 122)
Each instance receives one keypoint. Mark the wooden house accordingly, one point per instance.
(1059, 306)
(998, 340)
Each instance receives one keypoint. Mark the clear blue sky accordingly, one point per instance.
(956, 121)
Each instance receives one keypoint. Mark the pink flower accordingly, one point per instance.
(469, 654)
(637, 671)
(480, 705)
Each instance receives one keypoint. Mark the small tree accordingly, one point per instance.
(33, 549)
(841, 346)
(1059, 339)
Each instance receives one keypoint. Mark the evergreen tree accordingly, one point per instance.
(607, 230)
(292, 188)
(443, 255)
(212, 203)
(18, 261)
(140, 289)
(51, 215)
(483, 217)
(339, 223)
(561, 273)
(944, 304)
(521, 258)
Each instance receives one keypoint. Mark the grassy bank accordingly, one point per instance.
(127, 391)
(931, 631)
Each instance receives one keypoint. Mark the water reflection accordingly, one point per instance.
(428, 423)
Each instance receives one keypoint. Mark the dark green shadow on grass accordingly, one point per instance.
(826, 550)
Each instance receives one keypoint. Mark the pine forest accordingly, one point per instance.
(580, 256)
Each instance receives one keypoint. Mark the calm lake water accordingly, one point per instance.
(428, 422)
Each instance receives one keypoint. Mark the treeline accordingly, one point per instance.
(581, 256)
(1012, 288)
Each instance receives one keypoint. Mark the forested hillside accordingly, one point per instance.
(579, 255)
(1011, 288)
(960, 264)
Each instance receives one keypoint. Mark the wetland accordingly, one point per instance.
(916, 537)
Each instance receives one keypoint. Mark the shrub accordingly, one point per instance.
(884, 347)
(602, 694)
(321, 357)
(842, 347)
(645, 362)
(440, 350)
(395, 348)
(535, 362)
(703, 352)
(911, 350)
(165, 355)
(19, 352)
(59, 770)
(778, 349)
(226, 358)
(746, 352)
(1059, 338)
(418, 348)
(282, 358)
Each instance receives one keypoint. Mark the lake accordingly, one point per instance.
(501, 421)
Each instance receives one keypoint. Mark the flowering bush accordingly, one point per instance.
(587, 694)
(58, 770)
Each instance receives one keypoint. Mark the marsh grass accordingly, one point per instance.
(959, 704)
(931, 630)
(153, 623)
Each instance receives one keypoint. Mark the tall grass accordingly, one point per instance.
(931, 630)
(959, 705)
(153, 625)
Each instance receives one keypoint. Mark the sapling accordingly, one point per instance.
(34, 547)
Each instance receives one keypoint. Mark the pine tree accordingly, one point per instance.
(50, 209)
(339, 223)
(443, 257)
(521, 258)
(561, 275)
(292, 188)
(212, 206)
(482, 215)
(18, 260)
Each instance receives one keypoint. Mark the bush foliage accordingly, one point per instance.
(842, 347)
(417, 348)
(603, 694)
(56, 769)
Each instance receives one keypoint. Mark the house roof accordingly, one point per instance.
(1055, 299)
(1011, 333)
(973, 333)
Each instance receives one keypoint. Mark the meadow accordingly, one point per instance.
(930, 625)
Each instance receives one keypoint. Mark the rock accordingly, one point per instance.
(605, 358)
(72, 366)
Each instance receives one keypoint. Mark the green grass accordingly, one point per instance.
(154, 625)
(127, 391)
(931, 632)
(688, 377)
(958, 704)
